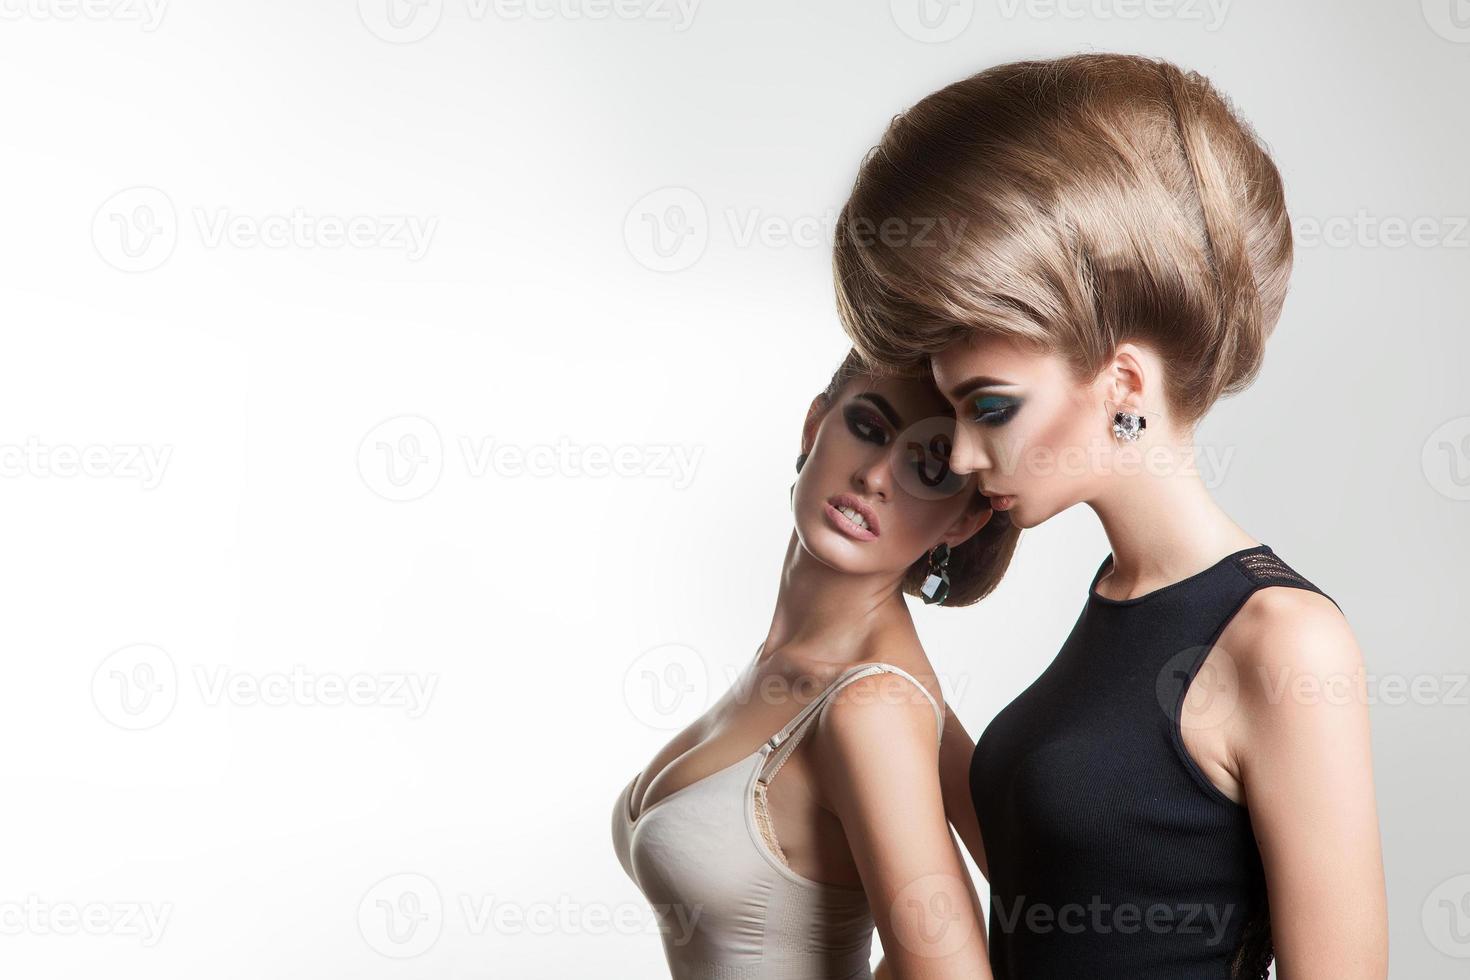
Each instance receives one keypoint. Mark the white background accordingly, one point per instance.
(245, 460)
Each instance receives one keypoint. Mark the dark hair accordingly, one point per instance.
(977, 564)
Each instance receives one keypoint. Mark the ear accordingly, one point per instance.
(1130, 379)
(814, 414)
(969, 523)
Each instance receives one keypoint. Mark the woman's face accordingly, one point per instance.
(876, 492)
(1037, 439)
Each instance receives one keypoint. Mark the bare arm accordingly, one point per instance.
(1300, 739)
(880, 774)
(954, 776)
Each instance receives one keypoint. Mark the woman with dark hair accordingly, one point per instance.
(765, 878)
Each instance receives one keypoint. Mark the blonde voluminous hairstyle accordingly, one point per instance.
(1071, 204)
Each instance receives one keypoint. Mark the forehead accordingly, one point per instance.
(913, 398)
(990, 355)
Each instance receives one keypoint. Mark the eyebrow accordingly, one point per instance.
(883, 406)
(975, 384)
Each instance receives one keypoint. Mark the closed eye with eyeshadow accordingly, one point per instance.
(995, 409)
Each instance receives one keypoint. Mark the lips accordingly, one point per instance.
(852, 517)
(1000, 501)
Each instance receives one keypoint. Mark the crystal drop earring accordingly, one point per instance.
(936, 584)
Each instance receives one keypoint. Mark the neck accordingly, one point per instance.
(1163, 527)
(828, 612)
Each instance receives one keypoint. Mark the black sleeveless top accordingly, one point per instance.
(1111, 854)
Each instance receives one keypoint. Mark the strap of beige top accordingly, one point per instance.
(789, 737)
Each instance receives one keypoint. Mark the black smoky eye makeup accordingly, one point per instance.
(995, 409)
(865, 424)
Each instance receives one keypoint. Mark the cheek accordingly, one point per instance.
(1055, 448)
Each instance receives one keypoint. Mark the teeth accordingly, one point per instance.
(853, 516)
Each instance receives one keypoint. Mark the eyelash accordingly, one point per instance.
(996, 416)
(857, 420)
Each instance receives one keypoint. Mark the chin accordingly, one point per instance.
(831, 548)
(1027, 515)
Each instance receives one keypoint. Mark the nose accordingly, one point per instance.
(874, 478)
(967, 455)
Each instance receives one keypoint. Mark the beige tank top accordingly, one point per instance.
(727, 904)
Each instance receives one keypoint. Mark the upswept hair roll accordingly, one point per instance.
(977, 564)
(1071, 204)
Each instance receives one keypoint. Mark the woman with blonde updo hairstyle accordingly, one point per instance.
(1087, 253)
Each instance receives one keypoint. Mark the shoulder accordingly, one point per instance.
(1282, 626)
(892, 712)
(1294, 654)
